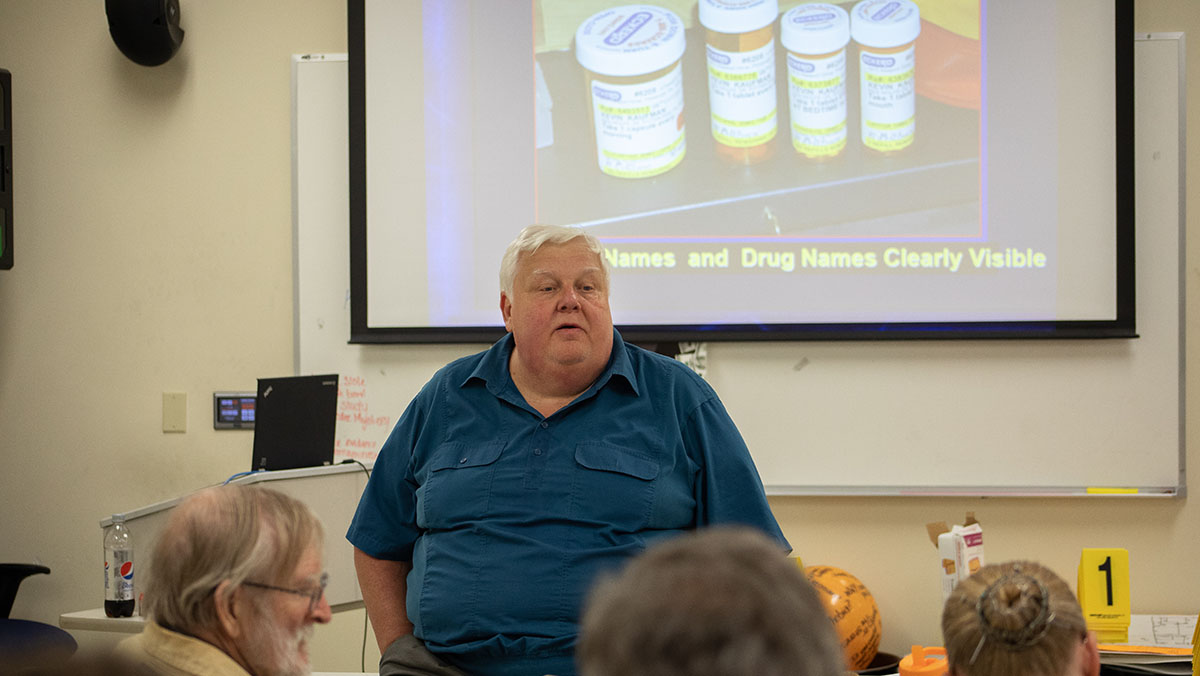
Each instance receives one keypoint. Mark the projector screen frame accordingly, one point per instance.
(1122, 326)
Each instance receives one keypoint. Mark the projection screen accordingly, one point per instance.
(872, 170)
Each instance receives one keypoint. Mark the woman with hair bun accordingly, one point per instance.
(1017, 618)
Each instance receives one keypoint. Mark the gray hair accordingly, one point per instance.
(532, 238)
(725, 601)
(225, 533)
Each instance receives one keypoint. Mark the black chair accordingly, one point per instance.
(26, 642)
(11, 575)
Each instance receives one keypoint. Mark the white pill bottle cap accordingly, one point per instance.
(815, 28)
(630, 40)
(737, 16)
(885, 23)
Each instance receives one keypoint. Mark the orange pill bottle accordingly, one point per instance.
(740, 55)
(631, 59)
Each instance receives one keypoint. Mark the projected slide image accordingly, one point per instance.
(651, 125)
(946, 161)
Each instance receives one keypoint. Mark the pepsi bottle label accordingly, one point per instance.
(118, 583)
(118, 576)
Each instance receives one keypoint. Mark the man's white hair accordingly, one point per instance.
(533, 237)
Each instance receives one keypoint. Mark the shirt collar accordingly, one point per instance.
(619, 365)
(492, 369)
(187, 654)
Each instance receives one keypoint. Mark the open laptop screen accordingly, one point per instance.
(294, 422)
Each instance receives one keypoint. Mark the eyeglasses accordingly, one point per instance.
(313, 595)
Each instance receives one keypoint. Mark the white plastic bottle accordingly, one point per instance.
(118, 569)
(815, 35)
(886, 32)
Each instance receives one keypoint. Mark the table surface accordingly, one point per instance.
(96, 620)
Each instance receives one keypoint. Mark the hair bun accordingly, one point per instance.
(1014, 611)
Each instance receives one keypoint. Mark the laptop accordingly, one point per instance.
(294, 424)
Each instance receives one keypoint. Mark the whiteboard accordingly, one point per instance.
(1078, 417)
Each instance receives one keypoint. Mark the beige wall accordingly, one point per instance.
(153, 253)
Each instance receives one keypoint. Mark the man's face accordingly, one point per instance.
(277, 643)
(558, 311)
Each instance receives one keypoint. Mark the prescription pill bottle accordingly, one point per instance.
(631, 58)
(740, 51)
(885, 31)
(815, 36)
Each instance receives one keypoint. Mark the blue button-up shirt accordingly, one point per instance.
(508, 516)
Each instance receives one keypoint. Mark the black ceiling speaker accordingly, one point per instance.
(147, 31)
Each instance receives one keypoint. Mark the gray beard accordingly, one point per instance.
(272, 652)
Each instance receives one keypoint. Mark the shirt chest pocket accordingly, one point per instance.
(613, 486)
(458, 486)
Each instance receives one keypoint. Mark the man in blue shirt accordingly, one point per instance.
(518, 474)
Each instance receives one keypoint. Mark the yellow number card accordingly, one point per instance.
(1104, 593)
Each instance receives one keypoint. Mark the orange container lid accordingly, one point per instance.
(924, 662)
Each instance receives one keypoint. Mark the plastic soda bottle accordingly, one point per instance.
(118, 569)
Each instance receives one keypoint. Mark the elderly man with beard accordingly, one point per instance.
(235, 585)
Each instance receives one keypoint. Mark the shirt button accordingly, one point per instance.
(537, 451)
(545, 424)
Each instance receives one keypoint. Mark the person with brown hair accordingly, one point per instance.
(1017, 618)
(724, 601)
(235, 585)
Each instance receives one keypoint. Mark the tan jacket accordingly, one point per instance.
(170, 653)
